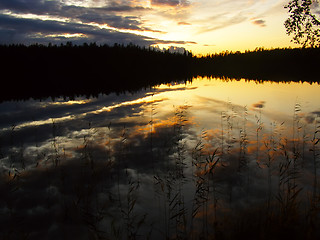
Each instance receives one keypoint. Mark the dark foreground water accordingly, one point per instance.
(209, 160)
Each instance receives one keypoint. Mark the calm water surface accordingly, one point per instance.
(182, 161)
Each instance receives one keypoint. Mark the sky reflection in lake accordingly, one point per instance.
(191, 159)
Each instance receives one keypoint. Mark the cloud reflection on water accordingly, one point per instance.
(149, 158)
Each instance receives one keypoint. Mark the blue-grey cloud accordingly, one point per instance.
(116, 7)
(57, 7)
(19, 30)
(32, 6)
(104, 15)
(14, 28)
(170, 2)
(25, 29)
(259, 22)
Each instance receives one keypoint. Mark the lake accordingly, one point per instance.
(206, 159)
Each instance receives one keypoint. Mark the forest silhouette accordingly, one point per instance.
(40, 71)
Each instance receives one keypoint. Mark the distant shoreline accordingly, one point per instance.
(39, 71)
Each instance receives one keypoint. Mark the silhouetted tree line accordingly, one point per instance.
(40, 71)
(281, 65)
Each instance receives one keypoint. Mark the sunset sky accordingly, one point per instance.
(202, 26)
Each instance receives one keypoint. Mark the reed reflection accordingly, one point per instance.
(206, 167)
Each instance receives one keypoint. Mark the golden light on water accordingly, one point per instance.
(278, 97)
(222, 148)
(215, 94)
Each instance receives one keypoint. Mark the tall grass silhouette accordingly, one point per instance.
(248, 181)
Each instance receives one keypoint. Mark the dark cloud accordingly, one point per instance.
(57, 7)
(113, 21)
(74, 20)
(116, 7)
(43, 26)
(309, 119)
(316, 113)
(18, 30)
(260, 104)
(170, 2)
(184, 23)
(259, 22)
(165, 2)
(103, 15)
(33, 6)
